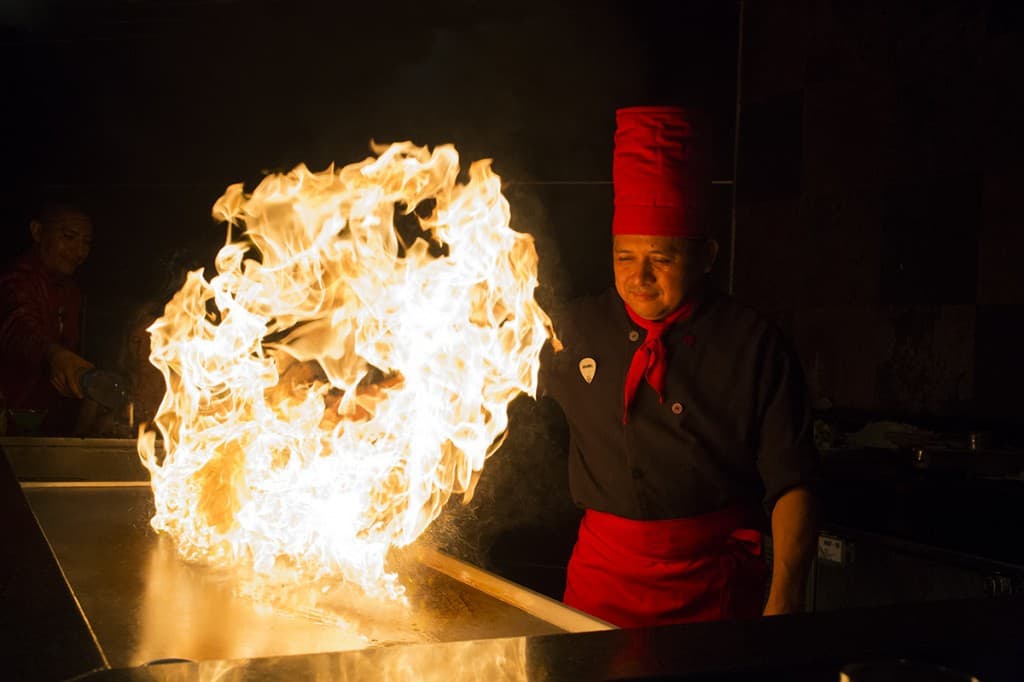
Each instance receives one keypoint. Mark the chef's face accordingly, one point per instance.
(654, 274)
(63, 239)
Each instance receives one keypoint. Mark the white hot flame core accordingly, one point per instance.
(329, 389)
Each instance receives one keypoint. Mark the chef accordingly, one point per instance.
(689, 423)
(40, 310)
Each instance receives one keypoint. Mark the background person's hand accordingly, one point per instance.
(66, 367)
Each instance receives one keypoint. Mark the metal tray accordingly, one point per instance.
(143, 603)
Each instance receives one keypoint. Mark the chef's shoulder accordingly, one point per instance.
(577, 322)
(582, 317)
(734, 322)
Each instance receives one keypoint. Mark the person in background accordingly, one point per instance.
(688, 416)
(40, 320)
(145, 383)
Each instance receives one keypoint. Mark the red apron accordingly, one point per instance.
(641, 573)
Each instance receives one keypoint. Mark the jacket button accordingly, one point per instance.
(677, 408)
(637, 472)
(634, 335)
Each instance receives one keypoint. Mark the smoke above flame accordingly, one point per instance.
(334, 383)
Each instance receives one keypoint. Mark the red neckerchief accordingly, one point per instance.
(649, 359)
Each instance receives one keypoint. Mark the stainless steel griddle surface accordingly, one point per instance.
(144, 603)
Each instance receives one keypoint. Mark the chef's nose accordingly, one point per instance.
(646, 272)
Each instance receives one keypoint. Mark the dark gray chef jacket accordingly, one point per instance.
(734, 426)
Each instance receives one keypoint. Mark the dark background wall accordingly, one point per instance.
(877, 200)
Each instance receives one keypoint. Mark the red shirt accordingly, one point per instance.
(37, 308)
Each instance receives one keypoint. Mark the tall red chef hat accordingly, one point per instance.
(659, 173)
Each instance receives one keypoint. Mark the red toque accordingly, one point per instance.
(658, 173)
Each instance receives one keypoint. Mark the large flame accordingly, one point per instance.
(332, 385)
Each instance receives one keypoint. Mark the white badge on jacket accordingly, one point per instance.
(588, 366)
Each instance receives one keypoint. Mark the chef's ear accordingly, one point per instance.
(36, 228)
(710, 254)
